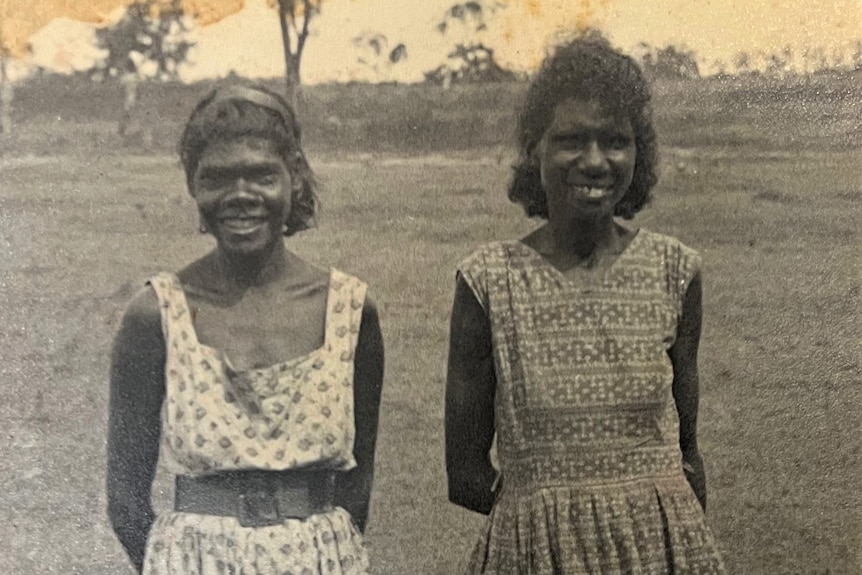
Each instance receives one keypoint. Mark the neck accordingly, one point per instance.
(585, 238)
(241, 271)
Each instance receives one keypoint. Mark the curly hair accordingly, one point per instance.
(586, 67)
(250, 110)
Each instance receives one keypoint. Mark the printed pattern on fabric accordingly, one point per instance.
(298, 413)
(294, 414)
(587, 428)
(186, 544)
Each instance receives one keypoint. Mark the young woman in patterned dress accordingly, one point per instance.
(251, 374)
(576, 346)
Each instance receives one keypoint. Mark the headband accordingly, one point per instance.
(257, 97)
(263, 99)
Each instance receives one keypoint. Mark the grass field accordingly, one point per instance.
(777, 222)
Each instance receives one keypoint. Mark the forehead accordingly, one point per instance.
(240, 151)
(580, 113)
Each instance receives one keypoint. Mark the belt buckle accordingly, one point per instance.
(258, 509)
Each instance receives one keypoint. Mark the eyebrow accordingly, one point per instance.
(604, 131)
(253, 167)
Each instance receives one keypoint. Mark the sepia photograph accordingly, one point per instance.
(437, 287)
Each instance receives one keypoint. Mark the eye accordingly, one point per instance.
(569, 138)
(209, 182)
(570, 141)
(618, 142)
(266, 179)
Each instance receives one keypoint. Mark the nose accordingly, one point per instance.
(240, 185)
(240, 192)
(593, 160)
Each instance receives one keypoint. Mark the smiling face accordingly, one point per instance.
(243, 191)
(586, 158)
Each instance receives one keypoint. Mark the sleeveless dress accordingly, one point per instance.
(587, 428)
(295, 414)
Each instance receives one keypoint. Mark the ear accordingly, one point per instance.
(532, 154)
(293, 161)
(190, 186)
(202, 224)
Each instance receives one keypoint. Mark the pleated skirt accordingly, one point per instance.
(190, 544)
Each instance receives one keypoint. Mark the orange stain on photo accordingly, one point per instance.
(534, 7)
(583, 10)
(562, 17)
(19, 20)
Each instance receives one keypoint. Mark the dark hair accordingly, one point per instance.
(589, 68)
(242, 110)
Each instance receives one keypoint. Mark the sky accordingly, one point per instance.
(244, 35)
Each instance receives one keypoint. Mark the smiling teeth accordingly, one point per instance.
(594, 193)
(241, 223)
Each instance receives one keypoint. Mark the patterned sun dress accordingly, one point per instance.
(295, 414)
(587, 428)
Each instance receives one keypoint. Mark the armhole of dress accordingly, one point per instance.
(162, 284)
(465, 271)
(351, 296)
(688, 265)
(345, 302)
(176, 314)
(358, 293)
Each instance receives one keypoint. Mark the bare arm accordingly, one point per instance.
(353, 491)
(136, 394)
(683, 355)
(470, 389)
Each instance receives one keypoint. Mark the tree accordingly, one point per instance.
(470, 60)
(816, 60)
(779, 64)
(473, 63)
(670, 62)
(720, 68)
(375, 52)
(742, 63)
(857, 56)
(149, 40)
(295, 17)
(471, 13)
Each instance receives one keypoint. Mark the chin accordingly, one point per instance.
(250, 248)
(593, 211)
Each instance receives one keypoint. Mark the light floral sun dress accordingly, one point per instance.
(295, 414)
(587, 427)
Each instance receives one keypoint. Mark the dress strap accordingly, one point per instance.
(345, 302)
(176, 317)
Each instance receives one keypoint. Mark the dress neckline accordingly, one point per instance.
(281, 365)
(571, 282)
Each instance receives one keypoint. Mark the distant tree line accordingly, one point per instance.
(152, 39)
(153, 35)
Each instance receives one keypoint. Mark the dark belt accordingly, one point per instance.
(257, 498)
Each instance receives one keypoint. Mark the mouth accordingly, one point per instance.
(591, 192)
(242, 223)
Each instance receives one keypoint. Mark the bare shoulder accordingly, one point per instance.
(538, 240)
(143, 308)
(369, 311)
(141, 329)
